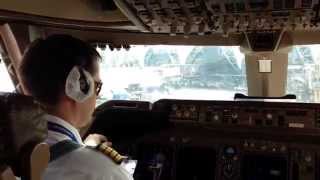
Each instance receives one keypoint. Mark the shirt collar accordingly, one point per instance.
(55, 136)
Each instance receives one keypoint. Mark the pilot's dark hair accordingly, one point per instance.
(47, 63)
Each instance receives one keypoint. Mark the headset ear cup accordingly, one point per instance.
(89, 82)
(73, 85)
(84, 84)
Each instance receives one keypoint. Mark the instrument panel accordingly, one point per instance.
(250, 114)
(226, 140)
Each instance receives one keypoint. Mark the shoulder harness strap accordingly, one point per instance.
(62, 148)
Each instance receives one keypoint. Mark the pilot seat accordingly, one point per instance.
(23, 153)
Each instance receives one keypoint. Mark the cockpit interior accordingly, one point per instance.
(193, 89)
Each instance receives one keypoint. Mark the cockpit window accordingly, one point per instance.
(304, 73)
(6, 83)
(156, 72)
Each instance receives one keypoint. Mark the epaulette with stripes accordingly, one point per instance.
(110, 152)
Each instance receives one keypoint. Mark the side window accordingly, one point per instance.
(5, 80)
(304, 73)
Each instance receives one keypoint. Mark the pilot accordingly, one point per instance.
(62, 73)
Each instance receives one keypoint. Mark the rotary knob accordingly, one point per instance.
(216, 117)
(178, 114)
(308, 158)
(245, 144)
(187, 114)
(234, 116)
(174, 107)
(263, 147)
(269, 116)
(235, 158)
(193, 108)
(283, 148)
(252, 145)
(172, 139)
(185, 140)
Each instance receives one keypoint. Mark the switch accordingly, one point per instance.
(269, 122)
(192, 108)
(208, 116)
(178, 114)
(234, 121)
(172, 139)
(174, 107)
(245, 144)
(225, 121)
(185, 140)
(263, 147)
(281, 121)
(187, 114)
(252, 145)
(235, 158)
(283, 148)
(258, 122)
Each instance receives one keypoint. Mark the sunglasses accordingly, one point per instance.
(98, 87)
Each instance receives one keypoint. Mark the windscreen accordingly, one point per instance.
(304, 73)
(6, 83)
(153, 72)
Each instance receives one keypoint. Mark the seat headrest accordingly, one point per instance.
(21, 126)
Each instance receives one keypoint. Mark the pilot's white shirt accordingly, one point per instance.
(82, 163)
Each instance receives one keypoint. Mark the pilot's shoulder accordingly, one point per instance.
(108, 151)
(85, 154)
(86, 163)
(91, 160)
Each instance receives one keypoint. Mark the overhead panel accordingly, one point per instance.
(222, 16)
(81, 10)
